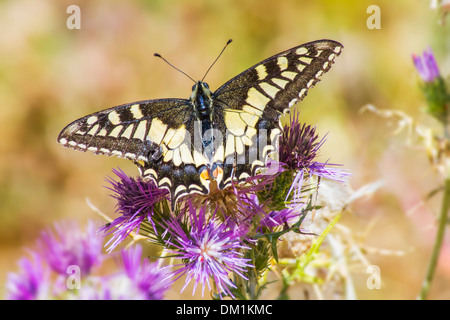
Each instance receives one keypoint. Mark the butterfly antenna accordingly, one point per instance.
(228, 42)
(159, 56)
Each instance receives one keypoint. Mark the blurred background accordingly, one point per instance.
(51, 75)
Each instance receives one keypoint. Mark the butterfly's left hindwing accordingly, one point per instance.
(166, 138)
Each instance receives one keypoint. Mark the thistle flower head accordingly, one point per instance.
(31, 282)
(136, 199)
(299, 147)
(434, 87)
(41, 275)
(207, 250)
(255, 213)
(138, 280)
(426, 66)
(299, 144)
(147, 277)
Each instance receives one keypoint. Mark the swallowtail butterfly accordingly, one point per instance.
(186, 145)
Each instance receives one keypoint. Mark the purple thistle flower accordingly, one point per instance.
(434, 87)
(97, 290)
(66, 245)
(325, 171)
(299, 146)
(426, 66)
(139, 280)
(31, 282)
(136, 199)
(148, 278)
(208, 250)
(250, 207)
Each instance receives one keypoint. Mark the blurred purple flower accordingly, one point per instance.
(250, 207)
(66, 244)
(426, 66)
(31, 282)
(148, 278)
(139, 280)
(207, 250)
(135, 201)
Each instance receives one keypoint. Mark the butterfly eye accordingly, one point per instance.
(205, 85)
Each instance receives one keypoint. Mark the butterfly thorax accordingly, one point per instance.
(201, 100)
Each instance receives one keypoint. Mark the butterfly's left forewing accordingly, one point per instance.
(155, 134)
(161, 136)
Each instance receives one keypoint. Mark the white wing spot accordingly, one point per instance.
(261, 71)
(301, 50)
(114, 117)
(282, 63)
(136, 111)
(280, 82)
(270, 90)
(91, 120)
(306, 60)
(288, 74)
(257, 99)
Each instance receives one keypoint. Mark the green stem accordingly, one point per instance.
(253, 286)
(438, 242)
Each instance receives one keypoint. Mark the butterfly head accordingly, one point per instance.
(200, 91)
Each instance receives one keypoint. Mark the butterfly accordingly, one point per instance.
(214, 137)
